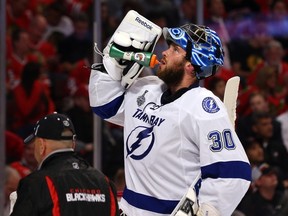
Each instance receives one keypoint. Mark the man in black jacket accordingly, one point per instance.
(64, 184)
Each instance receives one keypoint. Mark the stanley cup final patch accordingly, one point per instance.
(210, 105)
(141, 99)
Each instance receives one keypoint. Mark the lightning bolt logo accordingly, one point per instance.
(144, 135)
(210, 105)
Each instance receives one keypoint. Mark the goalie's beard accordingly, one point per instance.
(172, 75)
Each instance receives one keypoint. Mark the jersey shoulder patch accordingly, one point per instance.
(210, 105)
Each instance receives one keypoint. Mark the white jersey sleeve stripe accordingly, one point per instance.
(229, 169)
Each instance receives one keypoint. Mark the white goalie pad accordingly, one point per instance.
(135, 32)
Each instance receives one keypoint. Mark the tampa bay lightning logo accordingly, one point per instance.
(210, 105)
(140, 142)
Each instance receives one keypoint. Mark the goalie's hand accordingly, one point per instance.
(132, 41)
(125, 42)
(135, 34)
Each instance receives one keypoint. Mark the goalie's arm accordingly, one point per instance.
(106, 95)
(107, 90)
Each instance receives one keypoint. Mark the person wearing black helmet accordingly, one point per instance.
(179, 144)
(64, 184)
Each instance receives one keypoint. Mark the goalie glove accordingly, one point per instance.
(135, 33)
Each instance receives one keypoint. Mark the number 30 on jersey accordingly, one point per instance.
(221, 140)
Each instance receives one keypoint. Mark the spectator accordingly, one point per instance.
(32, 99)
(267, 83)
(217, 86)
(27, 164)
(45, 50)
(36, 30)
(74, 61)
(275, 152)
(79, 73)
(217, 21)
(273, 54)
(57, 20)
(254, 151)
(257, 102)
(81, 38)
(246, 53)
(64, 183)
(81, 114)
(222, 74)
(14, 147)
(255, 154)
(268, 199)
(20, 54)
(18, 14)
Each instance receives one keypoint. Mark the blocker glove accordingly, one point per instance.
(135, 33)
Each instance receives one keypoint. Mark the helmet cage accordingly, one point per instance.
(203, 47)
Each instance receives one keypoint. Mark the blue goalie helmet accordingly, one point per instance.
(203, 47)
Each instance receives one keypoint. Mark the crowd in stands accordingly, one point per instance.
(50, 49)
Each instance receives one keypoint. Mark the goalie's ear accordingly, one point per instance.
(189, 69)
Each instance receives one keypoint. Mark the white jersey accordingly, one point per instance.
(166, 146)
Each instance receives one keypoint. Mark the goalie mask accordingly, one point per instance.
(202, 45)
